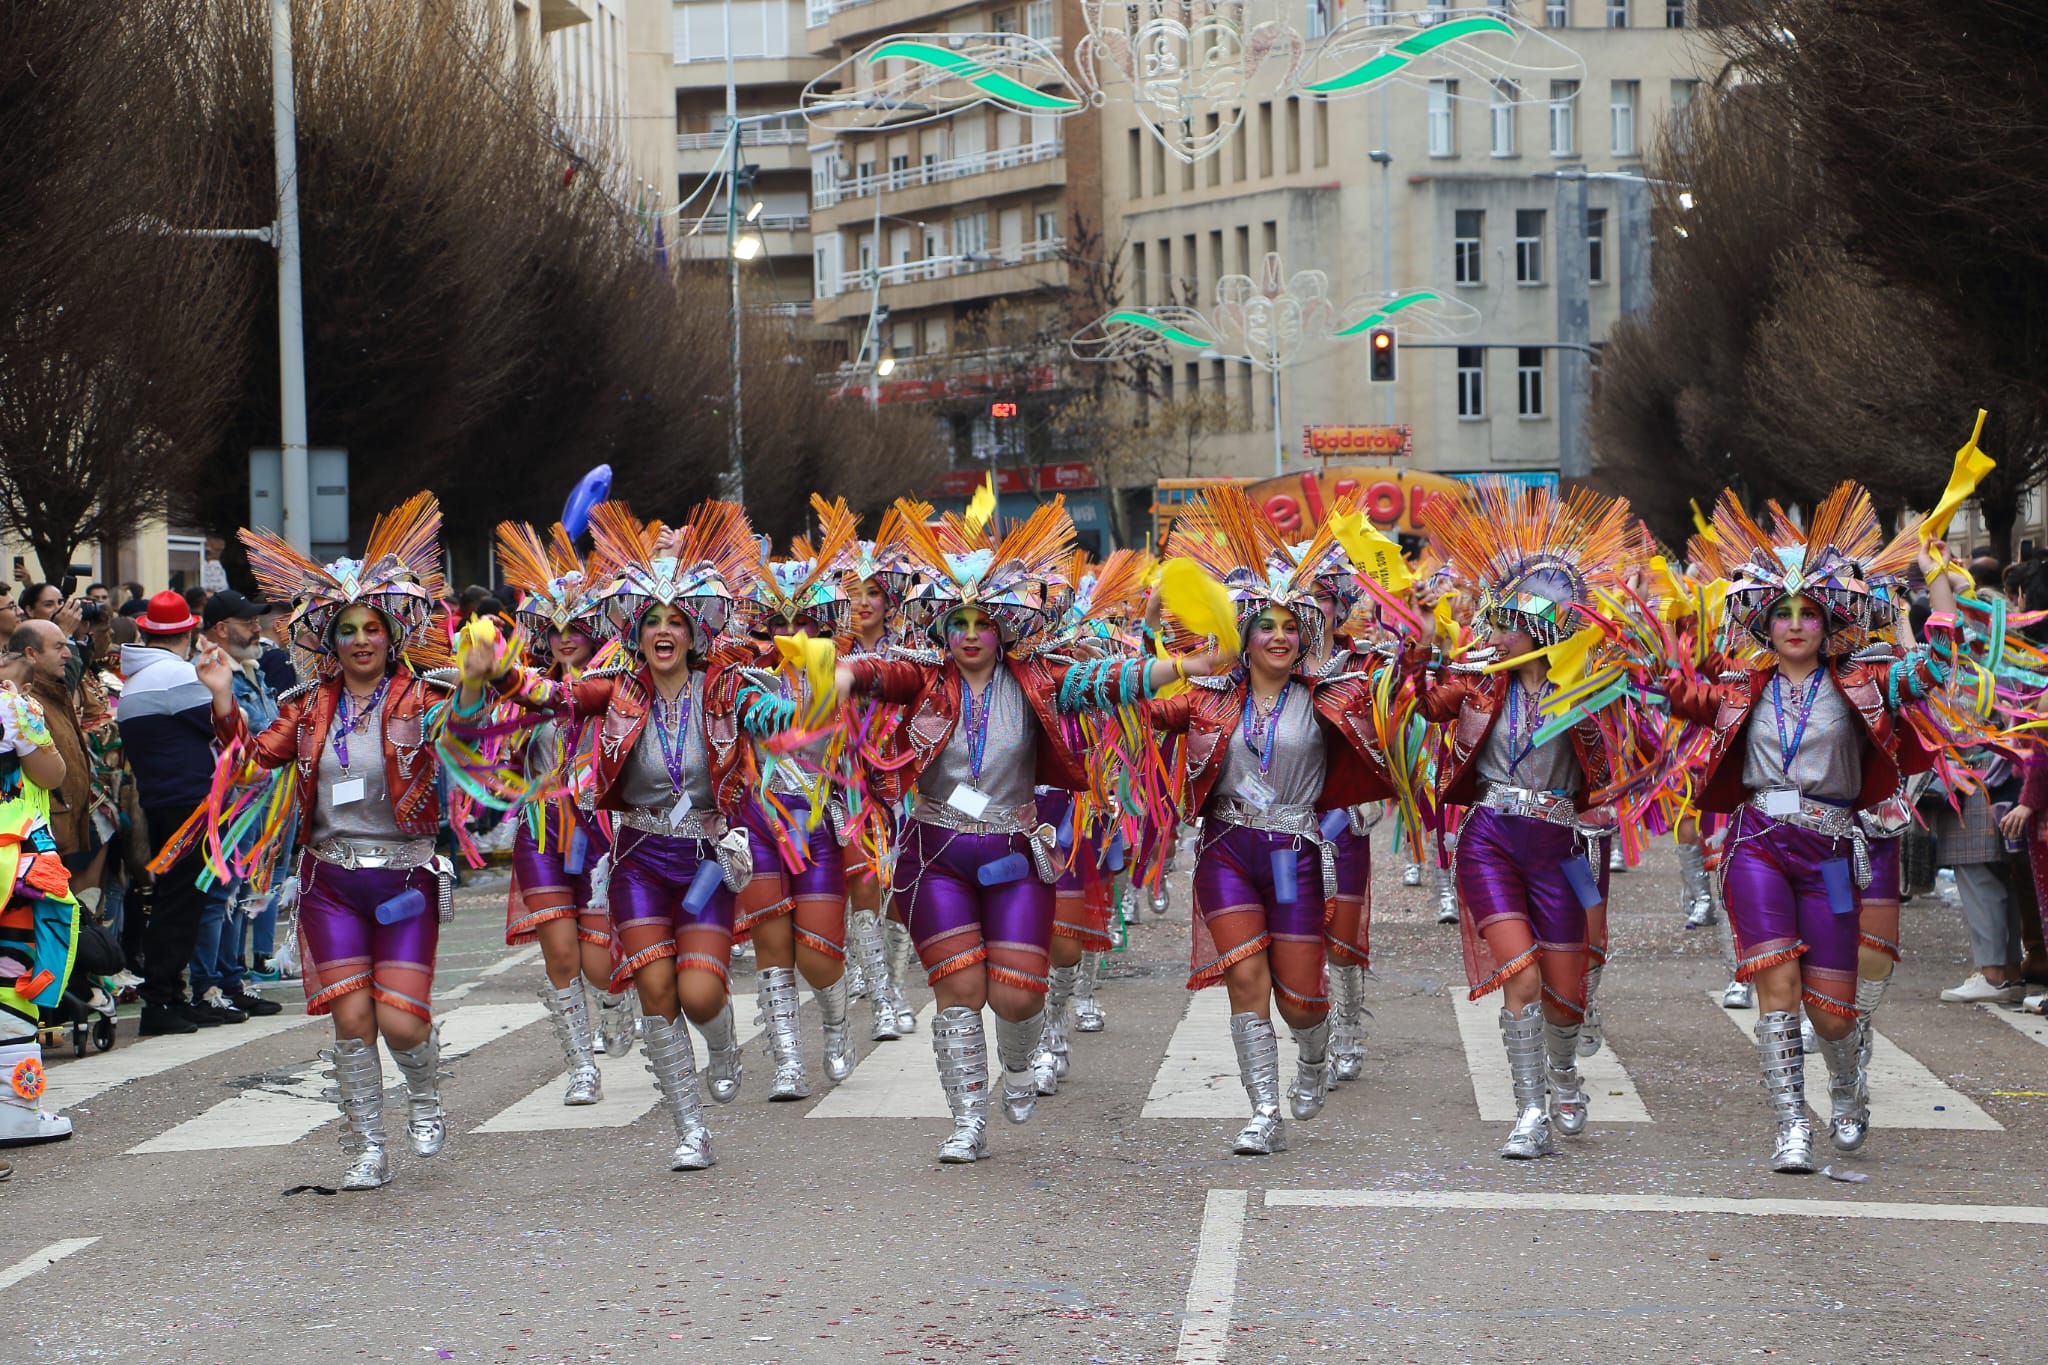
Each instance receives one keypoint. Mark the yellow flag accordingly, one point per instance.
(1971, 466)
(818, 660)
(1376, 556)
(1699, 520)
(1568, 657)
(1199, 602)
(982, 505)
(1446, 624)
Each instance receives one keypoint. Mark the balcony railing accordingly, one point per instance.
(889, 180)
(942, 267)
(783, 310)
(713, 224)
(754, 137)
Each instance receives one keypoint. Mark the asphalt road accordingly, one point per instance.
(1116, 1226)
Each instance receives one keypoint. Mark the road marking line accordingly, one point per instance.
(1493, 1087)
(276, 1116)
(1544, 1202)
(1198, 1078)
(628, 1093)
(82, 1078)
(48, 1256)
(1903, 1093)
(504, 964)
(2034, 1026)
(900, 1080)
(1212, 1287)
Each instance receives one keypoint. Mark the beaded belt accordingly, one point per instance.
(1282, 818)
(356, 853)
(695, 825)
(1547, 806)
(1834, 822)
(1023, 820)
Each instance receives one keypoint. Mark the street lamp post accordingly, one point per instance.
(297, 492)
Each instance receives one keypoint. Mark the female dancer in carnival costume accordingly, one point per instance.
(1528, 864)
(363, 744)
(873, 588)
(561, 849)
(978, 725)
(38, 917)
(1273, 756)
(794, 908)
(668, 769)
(1798, 748)
(1092, 836)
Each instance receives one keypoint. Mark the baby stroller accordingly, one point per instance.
(88, 1006)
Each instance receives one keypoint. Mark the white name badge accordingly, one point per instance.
(1781, 801)
(1257, 793)
(969, 801)
(680, 811)
(349, 790)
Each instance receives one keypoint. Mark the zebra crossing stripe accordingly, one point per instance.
(81, 1079)
(628, 1093)
(1903, 1093)
(1198, 1077)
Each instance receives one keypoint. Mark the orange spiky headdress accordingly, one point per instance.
(1014, 579)
(399, 576)
(1827, 561)
(1239, 548)
(561, 591)
(805, 590)
(1535, 556)
(714, 564)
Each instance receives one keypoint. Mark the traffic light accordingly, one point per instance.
(1380, 342)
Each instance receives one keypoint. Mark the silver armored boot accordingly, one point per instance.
(1783, 1060)
(569, 1008)
(1869, 995)
(840, 1055)
(671, 1060)
(1311, 1070)
(961, 1048)
(426, 1126)
(785, 1044)
(1570, 1104)
(902, 953)
(359, 1092)
(618, 1021)
(873, 959)
(1348, 1016)
(1411, 874)
(1050, 1063)
(856, 955)
(1088, 1015)
(1446, 896)
(1591, 1036)
(1848, 1097)
(1258, 1065)
(722, 1056)
(1158, 901)
(1739, 995)
(1522, 1035)
(1016, 1040)
(1693, 896)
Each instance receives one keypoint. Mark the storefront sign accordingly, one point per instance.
(1350, 443)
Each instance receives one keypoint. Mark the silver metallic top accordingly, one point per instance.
(1299, 762)
(646, 780)
(1008, 759)
(1551, 767)
(796, 772)
(370, 818)
(1829, 762)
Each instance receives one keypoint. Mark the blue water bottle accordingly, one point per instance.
(1335, 822)
(1283, 876)
(579, 849)
(703, 886)
(1011, 867)
(1114, 859)
(403, 906)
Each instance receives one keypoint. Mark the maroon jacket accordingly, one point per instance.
(302, 727)
(1353, 770)
(1889, 751)
(930, 695)
(1470, 703)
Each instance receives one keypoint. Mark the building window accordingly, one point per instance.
(1038, 20)
(1557, 13)
(1529, 380)
(1378, 11)
(1564, 131)
(1621, 117)
(970, 235)
(1293, 134)
(1137, 156)
(1471, 381)
(1318, 18)
(1596, 246)
(1682, 92)
(1320, 129)
(1443, 125)
(1617, 13)
(1467, 245)
(1138, 274)
(1265, 139)
(1502, 109)
(1674, 13)
(1046, 225)
(1437, 12)
(1528, 246)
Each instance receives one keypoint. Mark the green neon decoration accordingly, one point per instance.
(1407, 50)
(1406, 301)
(994, 84)
(1155, 326)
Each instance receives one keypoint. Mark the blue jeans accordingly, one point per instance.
(264, 924)
(217, 956)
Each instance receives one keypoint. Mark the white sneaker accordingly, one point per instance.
(1978, 991)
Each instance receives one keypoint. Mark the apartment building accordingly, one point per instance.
(607, 61)
(1444, 188)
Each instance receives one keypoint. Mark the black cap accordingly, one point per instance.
(231, 606)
